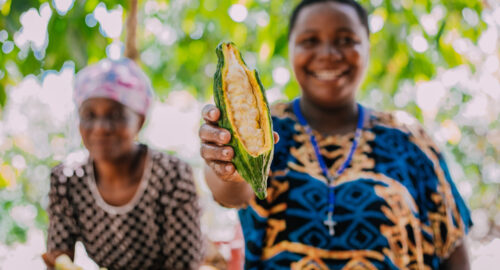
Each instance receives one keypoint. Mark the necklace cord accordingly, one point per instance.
(331, 178)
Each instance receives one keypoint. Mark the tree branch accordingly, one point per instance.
(131, 24)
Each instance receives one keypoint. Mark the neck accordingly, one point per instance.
(121, 170)
(339, 119)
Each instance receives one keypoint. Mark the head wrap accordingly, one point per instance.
(120, 80)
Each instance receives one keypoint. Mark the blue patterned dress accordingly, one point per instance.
(396, 205)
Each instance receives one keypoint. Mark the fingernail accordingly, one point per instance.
(211, 113)
(228, 168)
(222, 136)
(225, 152)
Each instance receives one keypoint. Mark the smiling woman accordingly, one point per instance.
(350, 187)
(329, 62)
(132, 207)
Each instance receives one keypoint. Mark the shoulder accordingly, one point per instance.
(281, 110)
(65, 180)
(400, 121)
(57, 171)
(74, 166)
(172, 172)
(401, 128)
(175, 178)
(283, 118)
(58, 178)
(168, 163)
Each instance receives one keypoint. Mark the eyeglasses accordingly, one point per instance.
(110, 121)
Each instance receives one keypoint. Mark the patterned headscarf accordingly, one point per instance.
(120, 80)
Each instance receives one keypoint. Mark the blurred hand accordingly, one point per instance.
(213, 150)
(50, 257)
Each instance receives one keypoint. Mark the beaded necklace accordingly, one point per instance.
(329, 222)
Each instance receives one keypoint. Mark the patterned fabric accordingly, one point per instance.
(396, 205)
(119, 80)
(158, 229)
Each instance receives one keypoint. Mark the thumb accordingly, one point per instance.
(276, 137)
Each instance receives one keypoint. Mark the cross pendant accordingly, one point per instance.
(330, 223)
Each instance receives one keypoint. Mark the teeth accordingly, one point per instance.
(327, 74)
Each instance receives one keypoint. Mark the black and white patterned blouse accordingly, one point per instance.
(158, 229)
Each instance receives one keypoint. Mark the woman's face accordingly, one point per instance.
(108, 128)
(329, 51)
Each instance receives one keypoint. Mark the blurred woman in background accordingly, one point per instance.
(132, 207)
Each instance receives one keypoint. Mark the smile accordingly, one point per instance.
(329, 75)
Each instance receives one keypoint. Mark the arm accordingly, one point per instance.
(50, 257)
(458, 260)
(62, 228)
(224, 191)
(447, 212)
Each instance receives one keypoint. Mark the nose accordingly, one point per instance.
(330, 52)
(103, 124)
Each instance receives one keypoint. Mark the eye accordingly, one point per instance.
(87, 115)
(308, 42)
(117, 115)
(346, 41)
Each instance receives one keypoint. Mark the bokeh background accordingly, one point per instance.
(437, 60)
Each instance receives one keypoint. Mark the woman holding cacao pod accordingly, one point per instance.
(349, 187)
(132, 207)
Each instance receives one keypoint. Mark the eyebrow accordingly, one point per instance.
(340, 30)
(346, 29)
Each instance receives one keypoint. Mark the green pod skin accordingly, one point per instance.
(254, 169)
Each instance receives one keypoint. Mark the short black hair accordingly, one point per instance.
(360, 10)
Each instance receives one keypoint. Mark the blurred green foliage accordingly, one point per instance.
(199, 25)
(177, 39)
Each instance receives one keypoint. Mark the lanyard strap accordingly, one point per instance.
(322, 164)
(331, 179)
